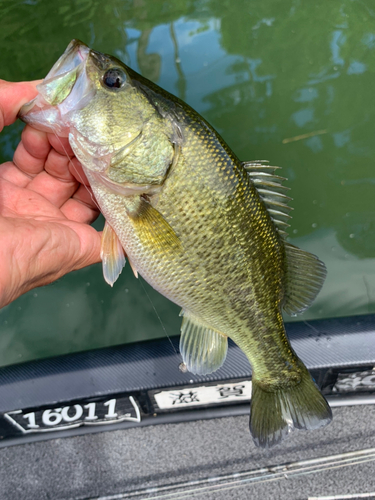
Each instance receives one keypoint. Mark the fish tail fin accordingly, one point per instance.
(274, 414)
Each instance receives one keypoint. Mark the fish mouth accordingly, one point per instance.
(65, 89)
(73, 56)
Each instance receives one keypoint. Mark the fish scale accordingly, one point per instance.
(203, 228)
(205, 293)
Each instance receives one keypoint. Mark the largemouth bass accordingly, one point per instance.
(202, 227)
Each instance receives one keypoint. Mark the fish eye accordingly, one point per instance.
(114, 78)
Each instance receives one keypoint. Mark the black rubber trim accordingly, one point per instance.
(131, 368)
(170, 418)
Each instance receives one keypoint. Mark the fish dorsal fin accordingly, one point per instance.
(304, 278)
(203, 349)
(112, 255)
(272, 192)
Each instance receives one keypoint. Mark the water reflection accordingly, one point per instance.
(292, 83)
(149, 64)
(181, 82)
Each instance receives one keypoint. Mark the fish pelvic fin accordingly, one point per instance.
(305, 276)
(203, 349)
(112, 255)
(275, 414)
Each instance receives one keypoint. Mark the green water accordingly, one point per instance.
(263, 73)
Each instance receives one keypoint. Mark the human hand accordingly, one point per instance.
(45, 211)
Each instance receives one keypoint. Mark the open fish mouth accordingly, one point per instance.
(72, 84)
(64, 90)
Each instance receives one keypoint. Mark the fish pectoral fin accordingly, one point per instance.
(203, 349)
(276, 413)
(151, 226)
(112, 255)
(304, 278)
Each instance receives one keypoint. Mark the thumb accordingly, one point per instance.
(12, 97)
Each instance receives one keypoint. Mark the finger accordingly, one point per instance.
(9, 172)
(32, 151)
(36, 142)
(27, 163)
(76, 211)
(12, 97)
(54, 190)
(85, 195)
(57, 165)
(77, 171)
(60, 144)
(89, 247)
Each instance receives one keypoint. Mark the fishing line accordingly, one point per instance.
(96, 204)
(159, 318)
(72, 164)
(312, 327)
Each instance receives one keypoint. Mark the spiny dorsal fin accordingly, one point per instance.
(271, 191)
(304, 278)
(203, 350)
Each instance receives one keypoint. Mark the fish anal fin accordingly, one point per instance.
(203, 349)
(112, 255)
(304, 279)
(150, 225)
(275, 414)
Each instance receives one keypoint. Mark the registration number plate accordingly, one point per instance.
(99, 412)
